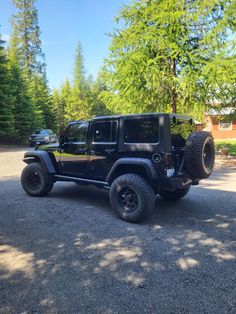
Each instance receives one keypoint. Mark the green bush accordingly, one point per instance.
(230, 144)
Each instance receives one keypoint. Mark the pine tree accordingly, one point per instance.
(41, 102)
(58, 104)
(22, 105)
(94, 93)
(26, 34)
(77, 107)
(170, 56)
(79, 70)
(7, 130)
(65, 94)
(26, 30)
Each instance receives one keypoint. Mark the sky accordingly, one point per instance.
(65, 22)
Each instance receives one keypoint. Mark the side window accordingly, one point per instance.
(77, 132)
(141, 131)
(225, 125)
(105, 132)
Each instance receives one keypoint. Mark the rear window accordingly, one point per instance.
(142, 131)
(180, 131)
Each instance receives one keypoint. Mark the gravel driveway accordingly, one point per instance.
(68, 253)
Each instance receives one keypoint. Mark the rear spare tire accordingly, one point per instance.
(199, 155)
(132, 197)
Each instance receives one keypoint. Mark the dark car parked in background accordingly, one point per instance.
(42, 136)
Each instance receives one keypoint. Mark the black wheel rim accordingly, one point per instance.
(34, 180)
(127, 199)
(208, 156)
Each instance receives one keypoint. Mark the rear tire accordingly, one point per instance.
(35, 181)
(174, 195)
(132, 197)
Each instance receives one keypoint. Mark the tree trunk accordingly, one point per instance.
(174, 102)
(174, 93)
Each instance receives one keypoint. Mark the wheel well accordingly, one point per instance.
(30, 160)
(47, 161)
(123, 169)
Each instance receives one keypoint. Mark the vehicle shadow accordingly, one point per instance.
(86, 194)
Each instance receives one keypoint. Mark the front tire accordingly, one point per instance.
(35, 181)
(132, 197)
(174, 195)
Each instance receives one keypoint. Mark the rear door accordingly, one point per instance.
(103, 147)
(74, 159)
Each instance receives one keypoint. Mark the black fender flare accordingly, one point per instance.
(41, 156)
(143, 162)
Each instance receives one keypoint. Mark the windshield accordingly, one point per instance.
(43, 132)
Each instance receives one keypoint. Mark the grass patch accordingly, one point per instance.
(230, 144)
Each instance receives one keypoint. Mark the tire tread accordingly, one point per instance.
(47, 186)
(141, 183)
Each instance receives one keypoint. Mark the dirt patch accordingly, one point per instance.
(11, 161)
(12, 148)
(228, 161)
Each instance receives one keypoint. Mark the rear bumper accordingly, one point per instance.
(178, 182)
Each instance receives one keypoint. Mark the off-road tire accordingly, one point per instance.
(35, 181)
(174, 195)
(145, 197)
(199, 155)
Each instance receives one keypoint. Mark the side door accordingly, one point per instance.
(74, 159)
(103, 147)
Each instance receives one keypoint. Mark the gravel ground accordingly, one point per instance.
(68, 253)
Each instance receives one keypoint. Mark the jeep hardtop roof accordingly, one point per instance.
(140, 115)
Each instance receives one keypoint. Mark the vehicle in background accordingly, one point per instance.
(42, 136)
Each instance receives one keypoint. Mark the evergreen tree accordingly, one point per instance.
(77, 107)
(26, 30)
(49, 116)
(60, 101)
(26, 34)
(170, 56)
(94, 96)
(7, 130)
(80, 99)
(79, 70)
(59, 109)
(42, 103)
(65, 95)
(22, 105)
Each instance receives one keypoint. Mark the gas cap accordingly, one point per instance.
(156, 157)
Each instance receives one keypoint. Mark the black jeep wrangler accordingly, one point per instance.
(135, 156)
